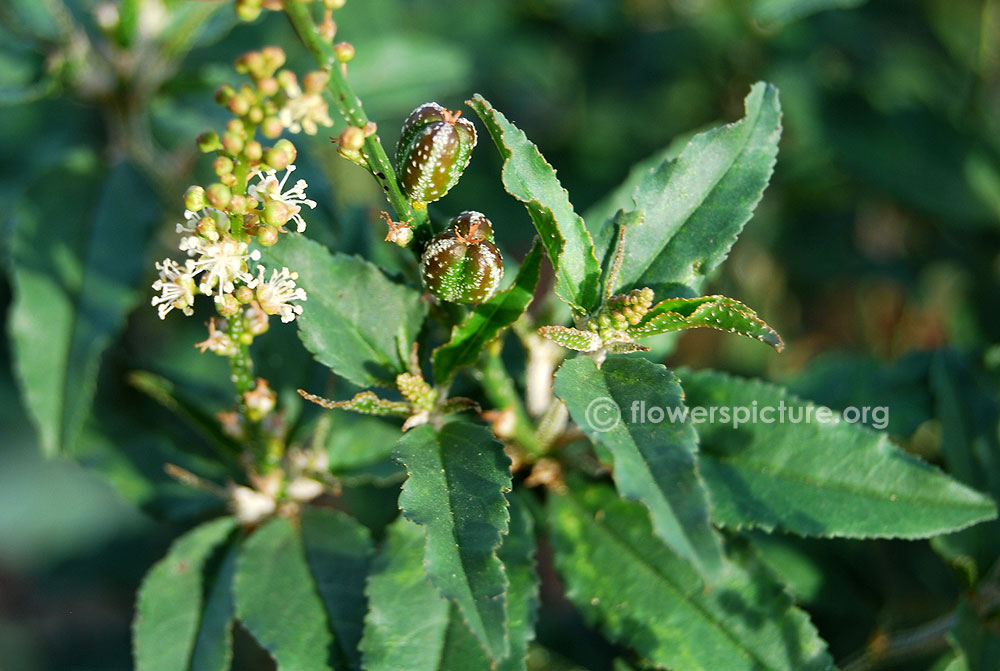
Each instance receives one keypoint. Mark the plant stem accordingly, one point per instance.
(301, 18)
(502, 393)
(926, 639)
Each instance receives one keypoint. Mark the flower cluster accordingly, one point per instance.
(249, 206)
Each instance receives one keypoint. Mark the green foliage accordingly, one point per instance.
(487, 319)
(654, 464)
(529, 178)
(360, 323)
(456, 485)
(817, 478)
(276, 599)
(693, 207)
(72, 298)
(643, 595)
(168, 610)
(716, 312)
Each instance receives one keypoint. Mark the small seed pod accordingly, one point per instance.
(434, 148)
(462, 265)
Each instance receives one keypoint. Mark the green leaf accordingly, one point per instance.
(624, 580)
(529, 178)
(488, 319)
(816, 478)
(517, 554)
(716, 312)
(276, 599)
(169, 603)
(213, 650)
(409, 627)
(74, 271)
(695, 206)
(653, 462)
(456, 485)
(776, 13)
(356, 320)
(338, 549)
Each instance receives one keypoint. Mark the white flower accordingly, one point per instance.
(305, 112)
(250, 506)
(275, 295)
(176, 287)
(191, 219)
(222, 263)
(270, 189)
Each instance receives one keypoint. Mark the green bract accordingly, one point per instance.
(434, 147)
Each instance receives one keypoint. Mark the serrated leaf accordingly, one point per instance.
(696, 205)
(654, 463)
(640, 594)
(456, 485)
(487, 320)
(356, 320)
(816, 478)
(338, 550)
(716, 312)
(529, 178)
(168, 608)
(276, 599)
(518, 556)
(409, 626)
(74, 273)
(571, 338)
(213, 649)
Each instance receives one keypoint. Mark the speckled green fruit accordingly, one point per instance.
(462, 265)
(434, 148)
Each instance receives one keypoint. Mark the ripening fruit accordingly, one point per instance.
(462, 265)
(434, 147)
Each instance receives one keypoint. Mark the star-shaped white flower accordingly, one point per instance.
(269, 188)
(220, 263)
(275, 295)
(176, 287)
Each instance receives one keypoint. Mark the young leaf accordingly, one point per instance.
(169, 603)
(338, 550)
(74, 275)
(487, 320)
(716, 312)
(276, 599)
(624, 580)
(213, 649)
(696, 205)
(530, 179)
(356, 320)
(817, 478)
(456, 485)
(409, 627)
(654, 463)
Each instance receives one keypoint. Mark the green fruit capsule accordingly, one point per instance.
(462, 265)
(434, 148)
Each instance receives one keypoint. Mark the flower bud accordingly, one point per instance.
(209, 141)
(238, 204)
(333, 4)
(248, 10)
(344, 51)
(271, 127)
(207, 229)
(219, 196)
(194, 198)
(227, 305)
(244, 294)
(351, 138)
(434, 148)
(276, 213)
(316, 81)
(253, 151)
(232, 143)
(267, 236)
(286, 146)
(274, 57)
(224, 94)
(223, 165)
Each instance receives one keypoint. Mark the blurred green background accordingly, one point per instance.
(874, 252)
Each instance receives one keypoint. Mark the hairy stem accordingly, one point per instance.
(301, 17)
